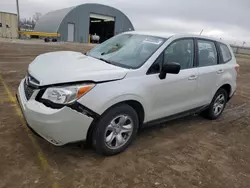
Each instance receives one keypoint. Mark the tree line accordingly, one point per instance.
(29, 23)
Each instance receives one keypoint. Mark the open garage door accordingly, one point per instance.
(101, 25)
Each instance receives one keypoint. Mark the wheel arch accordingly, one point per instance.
(227, 87)
(134, 103)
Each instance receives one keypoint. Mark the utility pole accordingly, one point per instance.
(18, 16)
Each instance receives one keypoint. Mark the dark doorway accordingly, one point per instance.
(103, 28)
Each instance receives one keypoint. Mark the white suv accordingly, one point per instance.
(130, 81)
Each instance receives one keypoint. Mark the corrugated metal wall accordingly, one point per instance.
(8, 25)
(80, 17)
(57, 21)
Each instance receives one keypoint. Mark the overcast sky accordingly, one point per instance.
(226, 19)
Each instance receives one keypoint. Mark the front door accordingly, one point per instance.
(177, 92)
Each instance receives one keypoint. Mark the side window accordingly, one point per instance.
(182, 52)
(225, 52)
(156, 66)
(207, 53)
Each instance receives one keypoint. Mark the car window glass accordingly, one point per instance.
(156, 66)
(226, 54)
(207, 53)
(182, 52)
(127, 50)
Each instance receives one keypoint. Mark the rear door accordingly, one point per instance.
(227, 70)
(209, 69)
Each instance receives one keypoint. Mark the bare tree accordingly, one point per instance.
(37, 16)
(29, 23)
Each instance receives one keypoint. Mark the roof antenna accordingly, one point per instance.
(201, 31)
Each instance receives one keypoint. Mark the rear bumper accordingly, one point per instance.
(233, 90)
(231, 96)
(57, 126)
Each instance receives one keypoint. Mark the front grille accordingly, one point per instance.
(27, 90)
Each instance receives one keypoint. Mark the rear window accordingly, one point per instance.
(225, 52)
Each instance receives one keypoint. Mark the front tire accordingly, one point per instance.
(217, 105)
(115, 130)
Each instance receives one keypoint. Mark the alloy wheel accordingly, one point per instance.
(219, 104)
(118, 131)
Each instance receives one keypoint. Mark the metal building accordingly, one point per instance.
(8, 25)
(75, 24)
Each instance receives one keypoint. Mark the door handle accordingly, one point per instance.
(220, 71)
(193, 77)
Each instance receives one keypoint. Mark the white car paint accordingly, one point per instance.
(73, 66)
(189, 89)
(58, 126)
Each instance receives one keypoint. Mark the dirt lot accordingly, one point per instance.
(189, 152)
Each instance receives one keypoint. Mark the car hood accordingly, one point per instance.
(68, 66)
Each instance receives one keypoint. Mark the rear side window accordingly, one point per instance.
(225, 52)
(207, 53)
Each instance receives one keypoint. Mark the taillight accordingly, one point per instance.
(237, 68)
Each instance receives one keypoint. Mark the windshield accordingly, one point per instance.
(127, 50)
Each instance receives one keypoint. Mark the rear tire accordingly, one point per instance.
(217, 105)
(115, 130)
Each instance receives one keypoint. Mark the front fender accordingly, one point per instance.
(105, 95)
(122, 98)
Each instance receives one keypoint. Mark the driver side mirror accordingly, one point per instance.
(171, 68)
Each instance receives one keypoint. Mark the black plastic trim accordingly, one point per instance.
(176, 116)
(32, 85)
(219, 54)
(74, 106)
(50, 104)
(40, 94)
(84, 110)
(149, 70)
(196, 53)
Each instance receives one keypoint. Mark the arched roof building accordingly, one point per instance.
(76, 23)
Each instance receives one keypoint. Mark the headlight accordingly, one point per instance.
(66, 95)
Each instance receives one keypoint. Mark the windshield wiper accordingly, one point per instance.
(107, 61)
